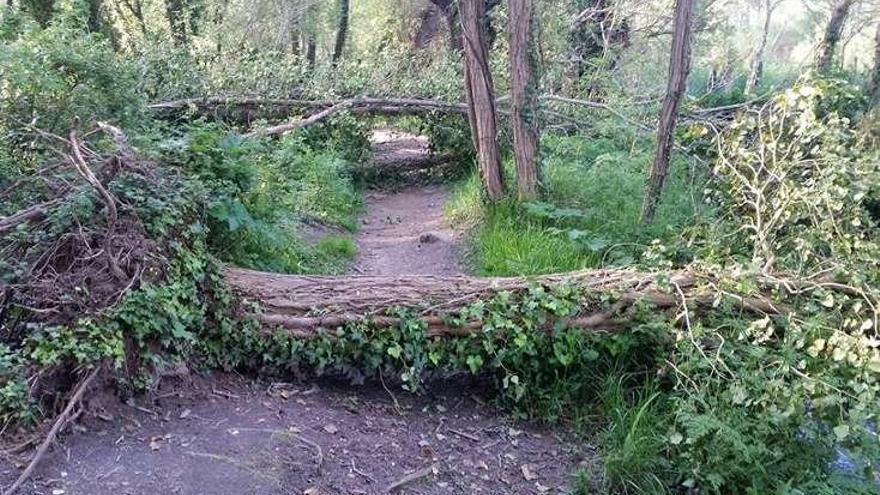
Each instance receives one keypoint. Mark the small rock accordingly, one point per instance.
(428, 238)
(330, 428)
(185, 413)
(527, 473)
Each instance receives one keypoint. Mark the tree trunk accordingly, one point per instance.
(524, 94)
(826, 49)
(94, 22)
(429, 24)
(449, 9)
(303, 304)
(480, 97)
(310, 52)
(174, 12)
(679, 67)
(875, 74)
(757, 66)
(341, 32)
(295, 48)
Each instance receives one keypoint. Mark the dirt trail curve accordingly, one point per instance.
(227, 435)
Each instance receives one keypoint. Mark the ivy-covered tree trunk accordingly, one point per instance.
(481, 97)
(341, 31)
(679, 67)
(304, 304)
(524, 94)
(826, 49)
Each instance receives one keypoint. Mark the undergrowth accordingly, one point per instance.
(261, 194)
(589, 213)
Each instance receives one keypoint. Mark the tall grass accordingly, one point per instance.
(589, 213)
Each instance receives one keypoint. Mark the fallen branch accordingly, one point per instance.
(409, 478)
(299, 124)
(85, 171)
(60, 422)
(34, 212)
(358, 105)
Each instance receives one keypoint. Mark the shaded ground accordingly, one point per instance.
(403, 233)
(233, 436)
(229, 435)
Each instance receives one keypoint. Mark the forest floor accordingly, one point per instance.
(226, 434)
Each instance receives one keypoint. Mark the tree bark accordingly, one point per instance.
(480, 97)
(429, 24)
(826, 49)
(341, 32)
(303, 304)
(524, 95)
(756, 71)
(679, 67)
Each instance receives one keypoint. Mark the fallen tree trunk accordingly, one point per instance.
(356, 105)
(304, 304)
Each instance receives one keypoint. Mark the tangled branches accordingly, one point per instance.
(78, 247)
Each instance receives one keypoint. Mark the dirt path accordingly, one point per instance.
(230, 436)
(403, 232)
(227, 435)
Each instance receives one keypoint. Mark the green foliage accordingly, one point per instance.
(541, 366)
(258, 195)
(509, 242)
(795, 182)
(589, 215)
(632, 446)
(55, 75)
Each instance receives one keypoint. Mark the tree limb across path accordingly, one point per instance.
(355, 105)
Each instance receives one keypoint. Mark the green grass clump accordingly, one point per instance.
(510, 245)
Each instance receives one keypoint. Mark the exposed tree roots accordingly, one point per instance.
(92, 263)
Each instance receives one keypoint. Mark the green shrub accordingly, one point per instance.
(53, 76)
